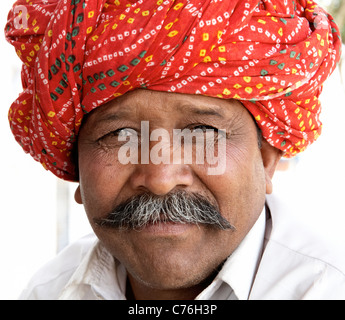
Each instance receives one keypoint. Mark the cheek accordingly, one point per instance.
(240, 190)
(101, 179)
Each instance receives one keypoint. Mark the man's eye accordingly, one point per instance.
(210, 131)
(117, 137)
(203, 128)
(120, 133)
(125, 132)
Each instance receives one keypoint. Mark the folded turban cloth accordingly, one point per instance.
(272, 55)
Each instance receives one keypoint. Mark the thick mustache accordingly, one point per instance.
(177, 207)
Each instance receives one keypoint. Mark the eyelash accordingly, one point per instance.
(115, 133)
(203, 127)
(206, 127)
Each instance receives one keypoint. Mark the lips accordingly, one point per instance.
(166, 228)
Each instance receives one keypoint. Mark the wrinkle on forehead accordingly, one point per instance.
(148, 105)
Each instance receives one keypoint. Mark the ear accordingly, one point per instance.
(77, 196)
(270, 157)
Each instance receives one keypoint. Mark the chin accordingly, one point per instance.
(171, 271)
(172, 282)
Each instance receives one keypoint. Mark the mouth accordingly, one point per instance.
(159, 227)
(169, 228)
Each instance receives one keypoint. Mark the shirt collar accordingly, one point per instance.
(235, 279)
(100, 276)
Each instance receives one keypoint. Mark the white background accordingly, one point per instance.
(29, 203)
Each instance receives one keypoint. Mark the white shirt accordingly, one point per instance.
(276, 260)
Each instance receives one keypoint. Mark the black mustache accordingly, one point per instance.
(177, 207)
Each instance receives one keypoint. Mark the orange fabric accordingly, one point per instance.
(272, 55)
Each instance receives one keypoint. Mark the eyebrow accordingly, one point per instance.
(201, 111)
(109, 117)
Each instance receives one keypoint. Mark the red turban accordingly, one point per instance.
(272, 55)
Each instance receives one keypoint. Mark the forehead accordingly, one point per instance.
(146, 104)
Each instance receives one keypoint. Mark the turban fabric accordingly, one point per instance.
(272, 55)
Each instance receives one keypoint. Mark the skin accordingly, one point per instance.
(176, 262)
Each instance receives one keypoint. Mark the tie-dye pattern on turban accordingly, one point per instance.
(272, 55)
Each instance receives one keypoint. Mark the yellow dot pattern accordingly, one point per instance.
(272, 56)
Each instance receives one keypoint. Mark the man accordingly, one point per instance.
(110, 86)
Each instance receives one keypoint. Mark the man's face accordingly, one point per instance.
(172, 255)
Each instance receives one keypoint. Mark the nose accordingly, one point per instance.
(160, 179)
